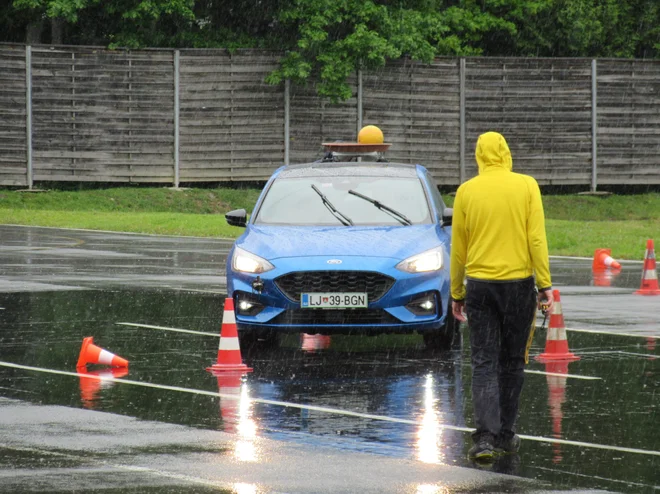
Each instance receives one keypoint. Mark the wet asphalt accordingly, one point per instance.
(340, 414)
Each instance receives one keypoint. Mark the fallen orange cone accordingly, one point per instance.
(603, 260)
(556, 344)
(229, 351)
(649, 275)
(92, 354)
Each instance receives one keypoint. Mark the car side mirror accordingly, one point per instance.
(237, 217)
(447, 215)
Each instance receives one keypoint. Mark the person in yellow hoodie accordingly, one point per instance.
(499, 259)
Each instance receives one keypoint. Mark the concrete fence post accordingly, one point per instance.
(461, 112)
(287, 120)
(177, 110)
(359, 101)
(594, 126)
(28, 116)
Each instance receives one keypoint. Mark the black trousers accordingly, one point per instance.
(500, 316)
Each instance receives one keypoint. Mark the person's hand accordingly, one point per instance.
(457, 310)
(546, 301)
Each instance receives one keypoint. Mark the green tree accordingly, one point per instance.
(116, 23)
(336, 37)
(327, 40)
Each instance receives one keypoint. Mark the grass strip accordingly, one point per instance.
(180, 224)
(576, 224)
(627, 239)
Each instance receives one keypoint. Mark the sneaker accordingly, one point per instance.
(509, 445)
(483, 450)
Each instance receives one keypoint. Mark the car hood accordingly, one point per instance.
(393, 242)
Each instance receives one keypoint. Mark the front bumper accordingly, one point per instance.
(395, 311)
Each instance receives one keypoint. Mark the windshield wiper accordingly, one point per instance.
(345, 220)
(403, 219)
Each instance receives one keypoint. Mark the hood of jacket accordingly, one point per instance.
(493, 152)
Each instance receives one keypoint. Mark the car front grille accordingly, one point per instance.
(335, 317)
(375, 285)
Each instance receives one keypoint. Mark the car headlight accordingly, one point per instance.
(247, 262)
(431, 260)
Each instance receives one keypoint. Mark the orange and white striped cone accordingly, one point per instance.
(556, 378)
(229, 351)
(556, 344)
(92, 382)
(92, 354)
(603, 260)
(650, 274)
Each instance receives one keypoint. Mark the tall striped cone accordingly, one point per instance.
(650, 274)
(92, 354)
(556, 344)
(229, 351)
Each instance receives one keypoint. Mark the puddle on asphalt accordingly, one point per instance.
(390, 376)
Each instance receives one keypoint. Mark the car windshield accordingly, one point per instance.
(293, 201)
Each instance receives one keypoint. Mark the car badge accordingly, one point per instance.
(334, 261)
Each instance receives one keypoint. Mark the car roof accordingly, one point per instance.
(339, 169)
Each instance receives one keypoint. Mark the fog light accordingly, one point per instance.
(425, 305)
(248, 305)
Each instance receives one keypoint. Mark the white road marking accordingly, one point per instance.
(335, 411)
(559, 374)
(604, 352)
(622, 261)
(598, 477)
(164, 328)
(637, 354)
(214, 292)
(595, 331)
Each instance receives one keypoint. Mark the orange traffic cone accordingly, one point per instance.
(90, 386)
(603, 260)
(314, 342)
(556, 397)
(556, 344)
(92, 354)
(649, 275)
(229, 351)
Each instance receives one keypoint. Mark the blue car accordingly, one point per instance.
(344, 247)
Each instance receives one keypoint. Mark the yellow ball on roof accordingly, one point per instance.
(370, 135)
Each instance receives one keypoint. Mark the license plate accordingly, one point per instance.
(333, 300)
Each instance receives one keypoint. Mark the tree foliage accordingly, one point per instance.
(330, 39)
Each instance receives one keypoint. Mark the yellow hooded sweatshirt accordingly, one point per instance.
(498, 226)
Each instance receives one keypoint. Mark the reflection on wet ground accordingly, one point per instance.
(385, 395)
